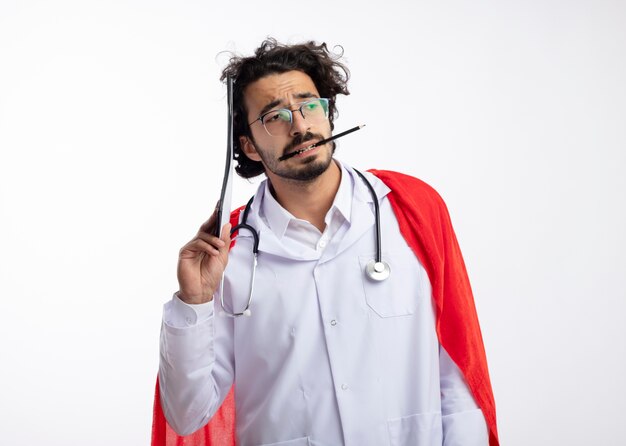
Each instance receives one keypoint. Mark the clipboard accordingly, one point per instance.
(224, 203)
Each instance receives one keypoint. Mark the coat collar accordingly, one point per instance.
(361, 218)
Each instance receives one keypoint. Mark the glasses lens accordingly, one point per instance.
(277, 122)
(316, 110)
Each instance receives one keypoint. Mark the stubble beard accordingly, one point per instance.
(309, 168)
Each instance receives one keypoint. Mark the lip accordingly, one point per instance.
(307, 152)
(304, 146)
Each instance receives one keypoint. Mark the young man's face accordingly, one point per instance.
(286, 90)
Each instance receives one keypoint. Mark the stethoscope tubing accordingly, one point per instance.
(377, 215)
(376, 269)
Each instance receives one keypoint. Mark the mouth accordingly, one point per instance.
(300, 149)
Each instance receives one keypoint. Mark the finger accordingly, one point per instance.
(196, 246)
(226, 240)
(211, 239)
(225, 237)
(208, 225)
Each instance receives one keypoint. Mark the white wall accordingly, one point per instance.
(112, 128)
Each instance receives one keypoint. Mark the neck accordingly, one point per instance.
(308, 200)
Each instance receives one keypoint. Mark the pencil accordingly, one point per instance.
(319, 143)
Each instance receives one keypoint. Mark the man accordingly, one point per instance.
(330, 354)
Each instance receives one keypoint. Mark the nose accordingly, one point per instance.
(299, 125)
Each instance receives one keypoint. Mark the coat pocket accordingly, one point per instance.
(392, 296)
(419, 429)
(303, 441)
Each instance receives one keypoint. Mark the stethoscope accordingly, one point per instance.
(376, 269)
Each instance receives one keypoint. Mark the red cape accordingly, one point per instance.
(425, 224)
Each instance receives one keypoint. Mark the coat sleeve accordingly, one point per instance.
(193, 382)
(463, 421)
(220, 429)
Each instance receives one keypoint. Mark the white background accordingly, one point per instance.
(112, 132)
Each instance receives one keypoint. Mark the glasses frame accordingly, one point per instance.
(261, 118)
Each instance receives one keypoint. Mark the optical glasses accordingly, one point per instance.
(278, 122)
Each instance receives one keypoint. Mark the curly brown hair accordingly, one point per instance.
(323, 67)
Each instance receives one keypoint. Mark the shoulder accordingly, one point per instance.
(408, 186)
(417, 205)
(235, 216)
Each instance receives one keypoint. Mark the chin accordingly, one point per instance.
(314, 168)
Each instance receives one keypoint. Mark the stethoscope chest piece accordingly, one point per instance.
(377, 271)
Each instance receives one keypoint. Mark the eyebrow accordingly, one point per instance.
(276, 102)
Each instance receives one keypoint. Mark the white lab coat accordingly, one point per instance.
(328, 357)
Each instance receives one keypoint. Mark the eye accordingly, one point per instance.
(312, 105)
(281, 115)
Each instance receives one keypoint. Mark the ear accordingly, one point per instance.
(248, 148)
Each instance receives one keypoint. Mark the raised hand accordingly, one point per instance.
(201, 263)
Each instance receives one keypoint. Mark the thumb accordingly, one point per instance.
(226, 233)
